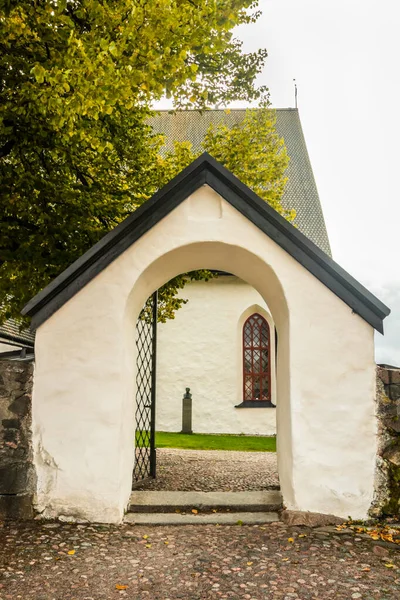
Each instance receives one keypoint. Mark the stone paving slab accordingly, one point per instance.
(162, 501)
(235, 518)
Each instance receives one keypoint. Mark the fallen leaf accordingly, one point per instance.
(389, 565)
(71, 552)
(291, 540)
(145, 537)
(249, 563)
(366, 569)
(302, 535)
(194, 511)
(166, 543)
(121, 587)
(148, 545)
(285, 559)
(239, 522)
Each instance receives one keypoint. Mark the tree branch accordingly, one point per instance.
(82, 178)
(6, 149)
(18, 221)
(84, 25)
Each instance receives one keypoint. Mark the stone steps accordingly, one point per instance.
(162, 508)
(227, 518)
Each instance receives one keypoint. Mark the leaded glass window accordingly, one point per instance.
(256, 359)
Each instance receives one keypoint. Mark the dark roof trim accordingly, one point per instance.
(206, 170)
(25, 354)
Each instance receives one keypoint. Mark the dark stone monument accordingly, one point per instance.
(187, 412)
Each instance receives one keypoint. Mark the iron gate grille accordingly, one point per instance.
(146, 340)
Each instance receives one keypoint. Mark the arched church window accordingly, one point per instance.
(256, 360)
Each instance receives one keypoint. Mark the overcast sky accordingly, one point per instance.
(345, 56)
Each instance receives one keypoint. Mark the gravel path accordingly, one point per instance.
(213, 471)
(85, 562)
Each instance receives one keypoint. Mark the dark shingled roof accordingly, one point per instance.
(206, 170)
(9, 332)
(301, 191)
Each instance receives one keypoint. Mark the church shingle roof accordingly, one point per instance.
(10, 331)
(301, 191)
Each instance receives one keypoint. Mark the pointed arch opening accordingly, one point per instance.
(256, 361)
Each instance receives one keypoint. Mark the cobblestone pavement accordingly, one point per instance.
(52, 561)
(213, 471)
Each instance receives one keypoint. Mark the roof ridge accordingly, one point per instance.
(206, 170)
(208, 110)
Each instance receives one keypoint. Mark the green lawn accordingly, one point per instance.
(203, 441)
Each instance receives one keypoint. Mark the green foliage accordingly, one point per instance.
(255, 153)
(77, 80)
(392, 506)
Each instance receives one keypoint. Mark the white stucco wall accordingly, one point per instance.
(202, 349)
(83, 400)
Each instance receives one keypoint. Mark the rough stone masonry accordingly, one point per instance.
(17, 476)
(387, 481)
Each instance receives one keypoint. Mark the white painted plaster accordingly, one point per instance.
(202, 349)
(83, 406)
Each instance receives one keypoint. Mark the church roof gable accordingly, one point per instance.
(206, 170)
(301, 193)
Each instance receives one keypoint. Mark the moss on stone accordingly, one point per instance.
(392, 506)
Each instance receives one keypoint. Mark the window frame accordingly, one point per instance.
(265, 402)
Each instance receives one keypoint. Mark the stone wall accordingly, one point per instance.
(17, 478)
(387, 483)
